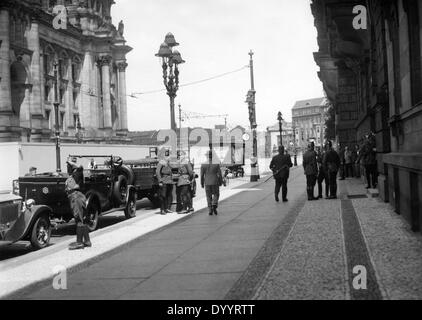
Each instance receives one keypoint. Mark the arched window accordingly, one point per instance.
(76, 68)
(63, 65)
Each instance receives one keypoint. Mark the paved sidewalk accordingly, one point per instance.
(31, 269)
(330, 238)
(201, 257)
(259, 249)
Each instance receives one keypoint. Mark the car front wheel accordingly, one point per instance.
(41, 232)
(130, 210)
(93, 212)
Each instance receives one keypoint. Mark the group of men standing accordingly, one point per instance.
(318, 167)
(324, 165)
(183, 182)
(211, 181)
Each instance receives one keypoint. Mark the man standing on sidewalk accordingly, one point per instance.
(311, 170)
(322, 173)
(280, 166)
(211, 180)
(332, 164)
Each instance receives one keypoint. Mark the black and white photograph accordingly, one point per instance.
(211, 155)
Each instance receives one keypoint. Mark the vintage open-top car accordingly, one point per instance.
(24, 221)
(106, 188)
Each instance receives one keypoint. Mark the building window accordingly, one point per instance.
(48, 117)
(412, 10)
(62, 93)
(47, 92)
(62, 115)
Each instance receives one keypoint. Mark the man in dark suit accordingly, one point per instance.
(211, 180)
(280, 166)
(311, 170)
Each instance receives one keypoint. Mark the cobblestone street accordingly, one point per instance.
(258, 249)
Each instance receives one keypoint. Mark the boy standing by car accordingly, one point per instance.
(77, 202)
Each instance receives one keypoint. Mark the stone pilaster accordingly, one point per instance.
(104, 62)
(121, 67)
(5, 88)
(36, 97)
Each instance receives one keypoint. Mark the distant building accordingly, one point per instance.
(274, 140)
(309, 121)
(91, 66)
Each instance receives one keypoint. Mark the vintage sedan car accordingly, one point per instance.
(24, 221)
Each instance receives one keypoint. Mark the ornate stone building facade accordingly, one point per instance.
(309, 121)
(89, 58)
(372, 76)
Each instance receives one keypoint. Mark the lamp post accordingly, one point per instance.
(252, 119)
(56, 113)
(294, 144)
(79, 134)
(171, 59)
(280, 125)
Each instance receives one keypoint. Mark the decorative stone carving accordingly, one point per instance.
(121, 66)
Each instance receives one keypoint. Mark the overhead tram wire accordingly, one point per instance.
(133, 95)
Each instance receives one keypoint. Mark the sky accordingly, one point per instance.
(215, 37)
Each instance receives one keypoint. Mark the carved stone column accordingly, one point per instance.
(104, 62)
(121, 67)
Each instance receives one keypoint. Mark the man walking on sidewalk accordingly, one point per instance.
(211, 180)
(311, 170)
(332, 164)
(280, 166)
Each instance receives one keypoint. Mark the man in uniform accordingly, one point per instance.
(311, 170)
(77, 204)
(183, 185)
(280, 166)
(165, 180)
(368, 154)
(331, 163)
(211, 180)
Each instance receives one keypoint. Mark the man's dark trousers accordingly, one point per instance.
(281, 183)
(371, 175)
(332, 180)
(213, 195)
(321, 177)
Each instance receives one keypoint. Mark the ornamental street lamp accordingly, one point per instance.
(56, 113)
(250, 100)
(171, 59)
(280, 125)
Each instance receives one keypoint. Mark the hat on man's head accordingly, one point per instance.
(32, 169)
(281, 149)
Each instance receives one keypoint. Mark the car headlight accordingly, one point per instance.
(15, 187)
(29, 203)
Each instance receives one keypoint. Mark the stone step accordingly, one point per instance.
(373, 193)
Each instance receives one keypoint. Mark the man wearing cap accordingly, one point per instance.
(183, 185)
(77, 204)
(165, 180)
(280, 166)
(211, 180)
(32, 172)
(311, 170)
